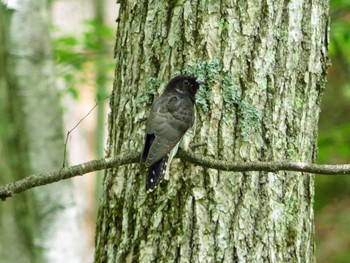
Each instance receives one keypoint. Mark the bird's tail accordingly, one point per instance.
(156, 173)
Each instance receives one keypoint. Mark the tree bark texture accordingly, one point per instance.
(41, 226)
(265, 106)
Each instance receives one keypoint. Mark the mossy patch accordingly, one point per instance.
(150, 90)
(210, 72)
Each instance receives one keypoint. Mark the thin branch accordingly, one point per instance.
(197, 144)
(32, 181)
(35, 180)
(274, 166)
(71, 130)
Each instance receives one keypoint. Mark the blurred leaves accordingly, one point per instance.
(334, 144)
(335, 5)
(332, 202)
(333, 232)
(340, 38)
(334, 126)
(78, 56)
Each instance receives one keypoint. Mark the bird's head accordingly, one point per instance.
(183, 85)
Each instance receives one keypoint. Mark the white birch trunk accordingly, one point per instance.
(50, 230)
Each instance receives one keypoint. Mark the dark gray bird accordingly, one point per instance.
(172, 114)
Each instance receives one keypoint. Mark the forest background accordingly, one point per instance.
(83, 46)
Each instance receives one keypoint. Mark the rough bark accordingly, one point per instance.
(265, 107)
(45, 222)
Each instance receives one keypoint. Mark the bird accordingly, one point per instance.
(172, 114)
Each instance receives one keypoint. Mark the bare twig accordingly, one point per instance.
(32, 181)
(71, 130)
(35, 180)
(197, 144)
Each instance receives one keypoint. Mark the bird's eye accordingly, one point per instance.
(186, 82)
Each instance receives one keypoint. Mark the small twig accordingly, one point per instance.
(197, 144)
(71, 130)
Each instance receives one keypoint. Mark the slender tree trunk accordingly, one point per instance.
(101, 89)
(271, 56)
(46, 221)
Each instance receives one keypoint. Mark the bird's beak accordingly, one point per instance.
(200, 82)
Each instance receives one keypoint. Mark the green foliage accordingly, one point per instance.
(334, 144)
(336, 4)
(75, 54)
(340, 35)
(94, 33)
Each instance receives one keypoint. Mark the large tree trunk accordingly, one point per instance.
(43, 225)
(265, 107)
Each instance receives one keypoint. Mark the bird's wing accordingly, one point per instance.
(170, 118)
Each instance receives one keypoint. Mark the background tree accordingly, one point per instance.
(42, 225)
(332, 194)
(76, 56)
(265, 66)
